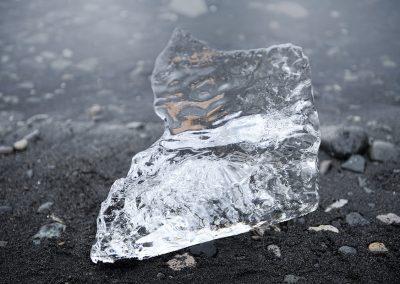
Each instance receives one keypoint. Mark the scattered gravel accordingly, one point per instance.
(343, 141)
(45, 207)
(135, 125)
(362, 182)
(377, 247)
(356, 163)
(325, 166)
(181, 261)
(95, 112)
(324, 228)
(346, 250)
(389, 218)
(21, 145)
(355, 219)
(383, 151)
(337, 204)
(275, 250)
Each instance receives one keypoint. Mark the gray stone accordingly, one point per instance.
(343, 141)
(377, 247)
(355, 219)
(6, 149)
(356, 163)
(45, 207)
(5, 209)
(329, 228)
(3, 244)
(290, 278)
(346, 250)
(389, 219)
(383, 151)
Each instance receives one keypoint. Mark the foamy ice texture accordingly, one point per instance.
(239, 150)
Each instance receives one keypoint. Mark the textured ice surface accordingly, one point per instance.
(239, 150)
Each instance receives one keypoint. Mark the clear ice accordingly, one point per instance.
(239, 151)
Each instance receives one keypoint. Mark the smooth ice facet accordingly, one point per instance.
(239, 150)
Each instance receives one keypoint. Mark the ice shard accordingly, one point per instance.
(239, 150)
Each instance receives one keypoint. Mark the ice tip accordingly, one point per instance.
(177, 32)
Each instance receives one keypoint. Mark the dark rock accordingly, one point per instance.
(209, 249)
(356, 163)
(343, 141)
(355, 219)
(160, 275)
(346, 250)
(383, 151)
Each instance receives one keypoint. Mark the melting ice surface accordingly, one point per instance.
(239, 150)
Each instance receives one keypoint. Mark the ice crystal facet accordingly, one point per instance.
(239, 150)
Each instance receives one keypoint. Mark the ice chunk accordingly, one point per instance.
(239, 150)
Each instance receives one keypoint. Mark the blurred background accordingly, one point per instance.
(76, 105)
(62, 57)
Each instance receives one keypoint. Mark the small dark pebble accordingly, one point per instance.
(346, 250)
(343, 141)
(355, 219)
(209, 249)
(356, 163)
